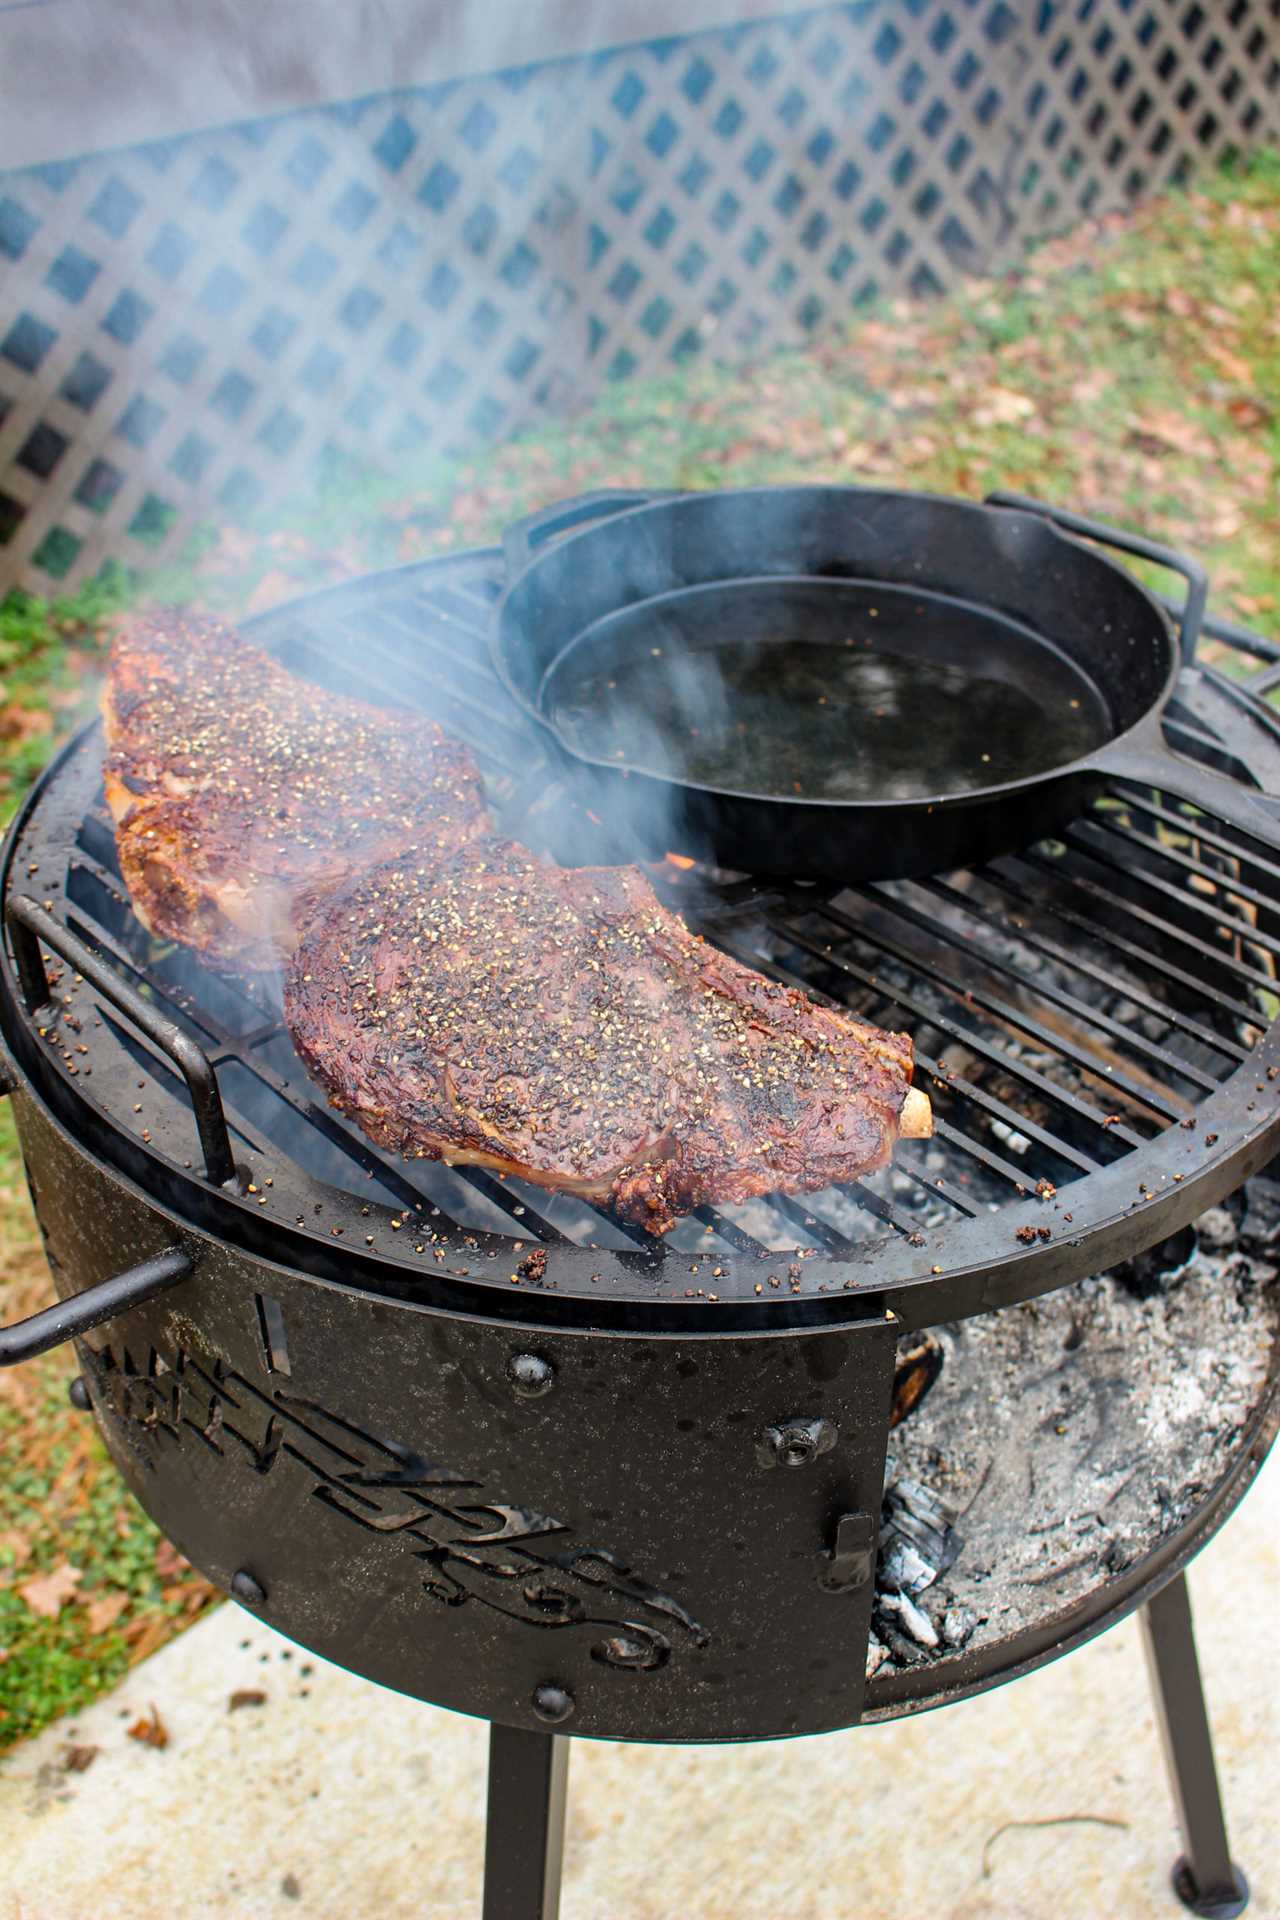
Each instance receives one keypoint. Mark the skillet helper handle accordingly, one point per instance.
(521, 541)
(68, 1319)
(1148, 763)
(29, 924)
(1191, 615)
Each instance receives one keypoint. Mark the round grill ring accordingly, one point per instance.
(928, 942)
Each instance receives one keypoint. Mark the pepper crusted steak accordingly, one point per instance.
(243, 794)
(562, 1026)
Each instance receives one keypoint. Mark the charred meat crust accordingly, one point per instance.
(243, 794)
(563, 1026)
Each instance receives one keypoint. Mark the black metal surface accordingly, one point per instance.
(845, 683)
(77, 1315)
(402, 1508)
(1192, 611)
(524, 1829)
(29, 927)
(1205, 1878)
(366, 1475)
(1071, 1006)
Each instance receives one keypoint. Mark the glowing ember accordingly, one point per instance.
(682, 861)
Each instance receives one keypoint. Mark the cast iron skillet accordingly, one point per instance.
(845, 683)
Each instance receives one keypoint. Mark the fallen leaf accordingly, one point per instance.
(1161, 427)
(48, 1593)
(246, 1697)
(78, 1759)
(18, 723)
(16, 1546)
(105, 1611)
(152, 1732)
(169, 1561)
(1248, 413)
(1001, 406)
(1229, 363)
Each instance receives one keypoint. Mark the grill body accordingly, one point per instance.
(374, 1477)
(647, 1479)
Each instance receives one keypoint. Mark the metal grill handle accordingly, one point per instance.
(1191, 616)
(29, 924)
(68, 1319)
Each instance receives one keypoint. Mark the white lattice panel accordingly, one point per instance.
(194, 327)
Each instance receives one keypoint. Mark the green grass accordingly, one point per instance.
(1130, 369)
(62, 1505)
(45, 647)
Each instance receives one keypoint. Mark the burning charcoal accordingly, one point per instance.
(876, 1657)
(913, 1620)
(917, 1518)
(901, 1649)
(958, 1623)
(903, 1570)
(918, 1364)
(1159, 1267)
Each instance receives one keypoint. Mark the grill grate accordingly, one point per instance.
(1069, 1005)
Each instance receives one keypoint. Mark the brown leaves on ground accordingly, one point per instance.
(48, 1593)
(78, 1759)
(150, 1731)
(102, 1613)
(15, 1547)
(19, 724)
(1001, 407)
(246, 1697)
(169, 1562)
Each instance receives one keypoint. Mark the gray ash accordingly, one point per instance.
(1066, 1435)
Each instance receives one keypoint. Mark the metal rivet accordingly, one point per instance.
(552, 1703)
(78, 1394)
(248, 1591)
(530, 1375)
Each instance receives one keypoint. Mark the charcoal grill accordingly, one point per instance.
(628, 1489)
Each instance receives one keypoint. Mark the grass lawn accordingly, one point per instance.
(1130, 369)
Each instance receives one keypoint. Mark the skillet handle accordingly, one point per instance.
(521, 541)
(1191, 616)
(68, 1319)
(29, 924)
(1147, 763)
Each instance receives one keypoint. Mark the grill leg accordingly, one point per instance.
(1205, 1878)
(524, 1838)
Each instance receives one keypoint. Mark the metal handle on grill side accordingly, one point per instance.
(68, 1319)
(1190, 617)
(1230, 632)
(29, 924)
(521, 541)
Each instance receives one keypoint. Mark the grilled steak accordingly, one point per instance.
(563, 1026)
(242, 794)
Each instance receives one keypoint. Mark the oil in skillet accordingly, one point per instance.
(825, 690)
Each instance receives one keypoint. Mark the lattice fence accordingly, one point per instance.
(189, 328)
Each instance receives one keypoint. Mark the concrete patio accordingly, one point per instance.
(329, 1800)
